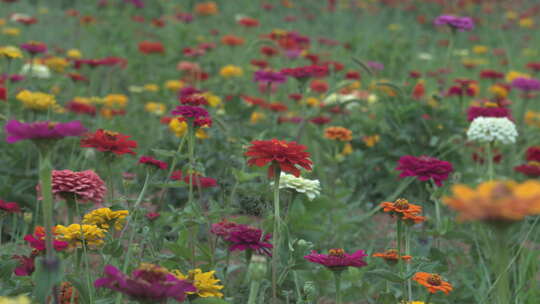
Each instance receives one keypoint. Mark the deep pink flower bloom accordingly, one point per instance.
(9, 207)
(424, 168)
(17, 130)
(305, 72)
(152, 215)
(191, 112)
(34, 47)
(526, 84)
(474, 112)
(26, 265)
(149, 282)
(85, 185)
(337, 259)
(530, 169)
(456, 23)
(223, 228)
(37, 241)
(267, 77)
(533, 154)
(244, 237)
(148, 160)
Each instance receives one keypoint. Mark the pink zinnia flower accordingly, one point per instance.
(337, 259)
(18, 131)
(9, 207)
(223, 228)
(26, 265)
(148, 160)
(84, 186)
(424, 168)
(244, 237)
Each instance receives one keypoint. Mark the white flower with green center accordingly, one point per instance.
(311, 188)
(490, 129)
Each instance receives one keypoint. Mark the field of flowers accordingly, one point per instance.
(270, 151)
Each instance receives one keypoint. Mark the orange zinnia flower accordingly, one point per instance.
(496, 201)
(207, 8)
(338, 133)
(391, 256)
(232, 40)
(433, 282)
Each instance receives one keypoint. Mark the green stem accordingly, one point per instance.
(522, 111)
(501, 259)
(299, 299)
(253, 291)
(408, 252)
(400, 253)
(337, 280)
(428, 298)
(89, 285)
(276, 234)
(45, 179)
(191, 174)
(110, 181)
(489, 161)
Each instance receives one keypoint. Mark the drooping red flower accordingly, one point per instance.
(9, 207)
(108, 141)
(286, 155)
(337, 259)
(148, 160)
(149, 47)
(424, 168)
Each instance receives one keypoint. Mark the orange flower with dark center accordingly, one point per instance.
(286, 155)
(391, 256)
(496, 201)
(405, 210)
(338, 133)
(433, 282)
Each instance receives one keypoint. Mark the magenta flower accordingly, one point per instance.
(9, 207)
(244, 237)
(474, 112)
(223, 228)
(191, 112)
(424, 168)
(526, 84)
(149, 283)
(17, 130)
(337, 259)
(456, 23)
(34, 48)
(150, 161)
(85, 186)
(26, 265)
(267, 77)
(305, 72)
(532, 167)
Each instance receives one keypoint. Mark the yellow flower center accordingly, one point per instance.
(336, 252)
(435, 280)
(110, 134)
(534, 163)
(402, 204)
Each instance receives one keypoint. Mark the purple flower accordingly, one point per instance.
(267, 77)
(526, 84)
(459, 23)
(147, 283)
(244, 237)
(474, 112)
(191, 112)
(374, 65)
(186, 91)
(34, 48)
(17, 130)
(424, 168)
(337, 259)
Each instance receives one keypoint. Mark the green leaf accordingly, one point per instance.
(165, 153)
(46, 278)
(387, 275)
(178, 184)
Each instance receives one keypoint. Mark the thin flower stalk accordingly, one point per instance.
(276, 234)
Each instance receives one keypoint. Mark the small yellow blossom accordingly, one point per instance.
(36, 100)
(11, 31)
(156, 108)
(312, 101)
(526, 22)
(230, 70)
(151, 87)
(515, 74)
(499, 91)
(395, 27)
(174, 85)
(74, 54)
(115, 100)
(371, 140)
(10, 52)
(206, 283)
(179, 128)
(511, 15)
(532, 118)
(75, 234)
(16, 300)
(105, 217)
(82, 100)
(2, 21)
(256, 117)
(56, 64)
(480, 49)
(347, 149)
(212, 99)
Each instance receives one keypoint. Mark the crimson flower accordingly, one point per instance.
(286, 155)
(26, 265)
(424, 168)
(34, 47)
(149, 47)
(199, 181)
(337, 259)
(9, 207)
(305, 72)
(474, 112)
(148, 160)
(244, 237)
(108, 141)
(37, 240)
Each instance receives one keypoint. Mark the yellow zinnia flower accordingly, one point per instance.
(371, 140)
(230, 70)
(56, 64)
(74, 234)
(74, 53)
(526, 22)
(115, 100)
(480, 49)
(174, 85)
(532, 118)
(17, 300)
(206, 283)
(105, 217)
(212, 99)
(11, 31)
(179, 128)
(515, 74)
(256, 116)
(151, 87)
(156, 108)
(10, 52)
(36, 100)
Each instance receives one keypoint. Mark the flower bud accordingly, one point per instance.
(27, 216)
(257, 268)
(311, 291)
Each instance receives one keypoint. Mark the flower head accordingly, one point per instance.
(305, 72)
(391, 256)
(206, 283)
(36, 100)
(108, 141)
(37, 240)
(432, 282)
(86, 186)
(34, 47)
(39, 130)
(150, 161)
(311, 188)
(338, 259)
(191, 112)
(9, 207)
(338, 133)
(424, 168)
(495, 201)
(75, 234)
(243, 237)
(15, 300)
(475, 112)
(404, 210)
(286, 155)
(489, 129)
(104, 218)
(230, 71)
(147, 283)
(454, 22)
(268, 77)
(526, 84)
(10, 52)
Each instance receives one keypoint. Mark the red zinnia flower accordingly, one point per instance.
(286, 155)
(153, 162)
(108, 141)
(149, 47)
(3, 94)
(424, 168)
(9, 207)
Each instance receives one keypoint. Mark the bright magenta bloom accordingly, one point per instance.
(425, 168)
(337, 259)
(17, 130)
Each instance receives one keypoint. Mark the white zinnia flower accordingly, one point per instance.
(311, 188)
(38, 70)
(425, 56)
(489, 129)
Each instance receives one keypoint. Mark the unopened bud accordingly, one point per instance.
(311, 291)
(27, 217)
(257, 267)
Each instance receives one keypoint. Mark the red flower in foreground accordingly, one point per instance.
(147, 160)
(286, 155)
(108, 141)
